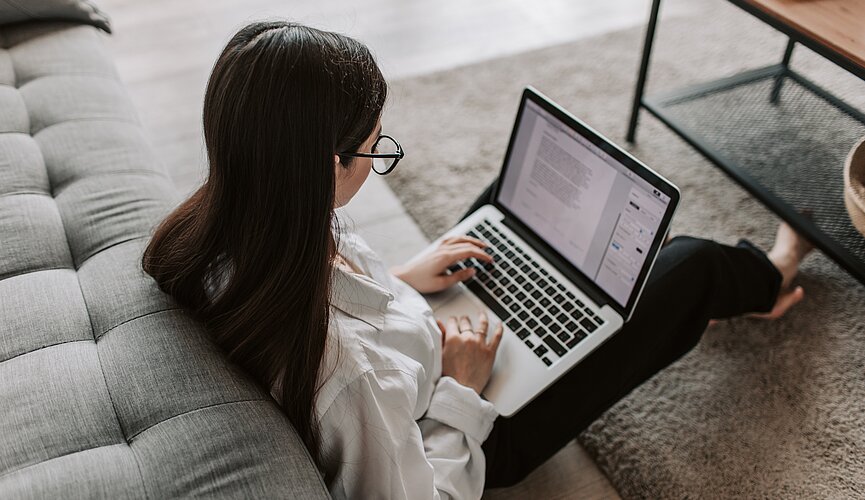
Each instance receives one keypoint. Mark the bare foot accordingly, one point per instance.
(785, 301)
(787, 253)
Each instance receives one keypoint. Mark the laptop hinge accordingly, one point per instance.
(561, 264)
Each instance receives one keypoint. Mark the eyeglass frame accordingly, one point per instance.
(399, 155)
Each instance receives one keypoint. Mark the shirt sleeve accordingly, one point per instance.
(378, 450)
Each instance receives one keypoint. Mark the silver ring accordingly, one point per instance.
(469, 330)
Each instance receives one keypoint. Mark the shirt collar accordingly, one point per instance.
(360, 296)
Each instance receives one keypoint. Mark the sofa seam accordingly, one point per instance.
(22, 192)
(118, 325)
(34, 133)
(94, 74)
(195, 410)
(67, 183)
(34, 464)
(109, 247)
(30, 271)
(42, 348)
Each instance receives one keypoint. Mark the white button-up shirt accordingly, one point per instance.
(391, 426)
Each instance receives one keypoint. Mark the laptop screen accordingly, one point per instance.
(591, 208)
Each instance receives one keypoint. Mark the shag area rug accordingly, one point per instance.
(758, 409)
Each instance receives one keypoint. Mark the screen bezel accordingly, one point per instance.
(620, 155)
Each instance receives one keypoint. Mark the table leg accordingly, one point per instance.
(644, 67)
(779, 80)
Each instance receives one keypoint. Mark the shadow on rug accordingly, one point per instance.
(757, 409)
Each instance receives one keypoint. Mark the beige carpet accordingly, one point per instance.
(757, 409)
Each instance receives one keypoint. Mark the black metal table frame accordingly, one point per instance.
(654, 105)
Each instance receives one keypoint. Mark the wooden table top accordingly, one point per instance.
(838, 25)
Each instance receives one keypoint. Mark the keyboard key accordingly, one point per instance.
(541, 350)
(534, 276)
(551, 290)
(561, 287)
(529, 287)
(507, 299)
(512, 288)
(546, 361)
(520, 279)
(524, 268)
(588, 325)
(524, 315)
(521, 296)
(554, 310)
(555, 327)
(505, 281)
(487, 299)
(530, 343)
(542, 284)
(570, 295)
(571, 326)
(544, 272)
(562, 318)
(513, 324)
(496, 273)
(546, 320)
(514, 307)
(522, 333)
(529, 303)
(537, 312)
(567, 306)
(537, 295)
(563, 336)
(555, 345)
(576, 340)
(544, 301)
(509, 254)
(498, 292)
(532, 323)
(580, 303)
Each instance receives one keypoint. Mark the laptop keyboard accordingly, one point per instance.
(548, 318)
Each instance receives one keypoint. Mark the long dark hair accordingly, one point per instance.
(250, 252)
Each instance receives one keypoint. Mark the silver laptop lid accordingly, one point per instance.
(599, 214)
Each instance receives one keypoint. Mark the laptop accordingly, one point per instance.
(574, 227)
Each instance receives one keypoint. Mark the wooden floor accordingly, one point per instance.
(164, 50)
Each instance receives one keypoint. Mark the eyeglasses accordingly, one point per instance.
(386, 153)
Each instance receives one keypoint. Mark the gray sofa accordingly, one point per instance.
(107, 388)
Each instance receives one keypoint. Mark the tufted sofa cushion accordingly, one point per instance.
(107, 389)
(13, 11)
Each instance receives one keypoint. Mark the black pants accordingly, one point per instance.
(693, 281)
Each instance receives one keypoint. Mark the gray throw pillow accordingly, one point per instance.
(13, 11)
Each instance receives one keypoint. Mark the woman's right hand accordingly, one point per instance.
(467, 356)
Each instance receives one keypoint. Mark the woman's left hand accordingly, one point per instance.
(431, 275)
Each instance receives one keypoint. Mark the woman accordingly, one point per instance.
(385, 396)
